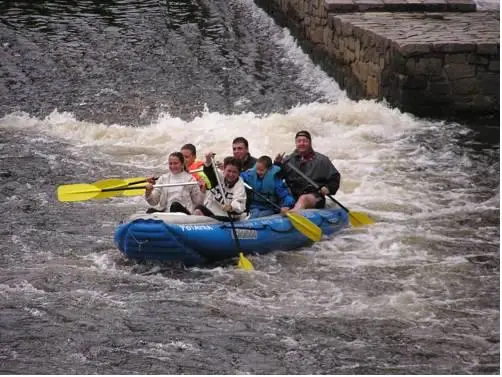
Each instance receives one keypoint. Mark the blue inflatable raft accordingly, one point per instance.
(197, 240)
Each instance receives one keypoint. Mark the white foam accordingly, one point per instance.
(484, 5)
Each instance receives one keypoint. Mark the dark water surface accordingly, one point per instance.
(137, 56)
(418, 293)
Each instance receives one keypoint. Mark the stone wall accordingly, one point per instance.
(416, 72)
(428, 64)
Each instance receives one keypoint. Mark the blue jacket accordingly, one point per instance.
(271, 186)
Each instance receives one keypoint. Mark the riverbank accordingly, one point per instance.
(428, 57)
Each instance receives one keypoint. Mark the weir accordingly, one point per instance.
(427, 57)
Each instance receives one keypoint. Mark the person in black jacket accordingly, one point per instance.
(240, 149)
(314, 165)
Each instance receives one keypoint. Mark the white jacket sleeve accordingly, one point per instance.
(238, 203)
(154, 198)
(195, 194)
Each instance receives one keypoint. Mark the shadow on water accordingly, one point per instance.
(485, 132)
(38, 15)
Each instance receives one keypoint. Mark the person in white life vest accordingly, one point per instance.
(214, 205)
(176, 198)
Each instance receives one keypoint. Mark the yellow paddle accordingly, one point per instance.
(72, 191)
(82, 191)
(132, 183)
(243, 263)
(301, 223)
(356, 218)
(85, 191)
(138, 180)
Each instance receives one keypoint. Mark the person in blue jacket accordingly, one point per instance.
(264, 180)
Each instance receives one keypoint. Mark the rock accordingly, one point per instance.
(412, 49)
(458, 71)
(494, 66)
(488, 48)
(464, 86)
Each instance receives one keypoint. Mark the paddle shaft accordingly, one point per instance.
(155, 178)
(262, 196)
(237, 242)
(301, 174)
(155, 186)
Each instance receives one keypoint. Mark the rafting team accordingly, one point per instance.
(266, 182)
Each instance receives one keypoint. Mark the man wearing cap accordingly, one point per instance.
(314, 165)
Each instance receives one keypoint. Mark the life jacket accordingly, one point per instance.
(199, 176)
(265, 186)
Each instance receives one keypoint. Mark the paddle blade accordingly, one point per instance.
(137, 192)
(117, 182)
(84, 191)
(359, 219)
(244, 263)
(305, 226)
(80, 192)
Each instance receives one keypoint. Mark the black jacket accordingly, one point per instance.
(317, 167)
(248, 163)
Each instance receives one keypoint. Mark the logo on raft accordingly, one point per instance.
(246, 234)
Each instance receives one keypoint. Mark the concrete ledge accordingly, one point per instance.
(427, 63)
(343, 6)
(445, 64)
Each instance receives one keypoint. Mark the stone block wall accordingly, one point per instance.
(307, 18)
(412, 60)
(431, 78)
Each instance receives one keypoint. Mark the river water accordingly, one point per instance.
(97, 89)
